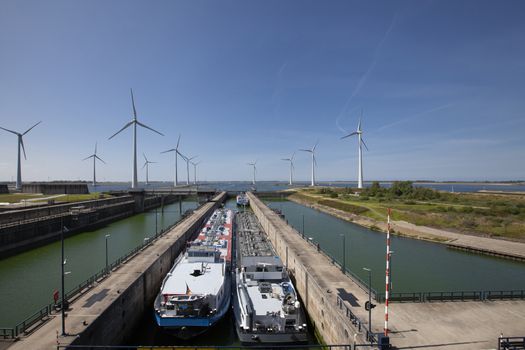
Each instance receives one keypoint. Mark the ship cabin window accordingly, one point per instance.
(197, 253)
(279, 268)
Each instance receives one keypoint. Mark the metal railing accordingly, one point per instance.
(511, 343)
(46, 311)
(213, 347)
(421, 297)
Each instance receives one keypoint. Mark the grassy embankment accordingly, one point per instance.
(497, 215)
(17, 197)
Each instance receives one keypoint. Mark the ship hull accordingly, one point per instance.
(190, 327)
(273, 339)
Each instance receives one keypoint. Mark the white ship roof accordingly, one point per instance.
(182, 275)
(264, 305)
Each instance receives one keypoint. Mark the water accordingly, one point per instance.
(416, 265)
(27, 280)
(271, 186)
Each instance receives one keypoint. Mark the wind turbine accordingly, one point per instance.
(177, 154)
(187, 159)
(360, 141)
(314, 162)
(195, 172)
(291, 166)
(254, 171)
(95, 157)
(20, 144)
(146, 164)
(134, 122)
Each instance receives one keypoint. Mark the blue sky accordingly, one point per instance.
(441, 85)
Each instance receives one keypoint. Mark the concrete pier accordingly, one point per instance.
(106, 314)
(335, 303)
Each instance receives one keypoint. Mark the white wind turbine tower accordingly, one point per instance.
(254, 170)
(314, 161)
(177, 154)
(95, 157)
(20, 145)
(360, 142)
(134, 122)
(291, 166)
(187, 159)
(195, 172)
(146, 164)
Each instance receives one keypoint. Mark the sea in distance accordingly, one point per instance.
(271, 186)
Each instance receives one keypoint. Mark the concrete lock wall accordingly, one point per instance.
(19, 238)
(120, 318)
(318, 296)
(35, 213)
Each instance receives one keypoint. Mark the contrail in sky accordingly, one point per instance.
(364, 77)
(414, 116)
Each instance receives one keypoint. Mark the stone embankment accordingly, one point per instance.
(483, 245)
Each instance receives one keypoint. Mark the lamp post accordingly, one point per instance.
(156, 227)
(343, 265)
(369, 335)
(303, 226)
(62, 265)
(107, 236)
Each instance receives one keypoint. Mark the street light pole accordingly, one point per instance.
(343, 266)
(156, 229)
(369, 303)
(107, 236)
(62, 263)
(303, 226)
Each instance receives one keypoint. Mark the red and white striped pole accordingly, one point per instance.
(387, 274)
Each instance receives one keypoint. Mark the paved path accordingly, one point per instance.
(436, 325)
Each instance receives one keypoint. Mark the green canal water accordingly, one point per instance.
(416, 265)
(27, 280)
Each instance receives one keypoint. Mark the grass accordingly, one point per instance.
(79, 197)
(496, 215)
(17, 197)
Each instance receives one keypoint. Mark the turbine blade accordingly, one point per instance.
(147, 127)
(286, 159)
(99, 158)
(23, 148)
(118, 132)
(359, 124)
(144, 165)
(293, 155)
(91, 156)
(364, 144)
(133, 103)
(315, 161)
(170, 150)
(178, 140)
(351, 134)
(146, 159)
(28, 130)
(11, 131)
(95, 148)
(192, 157)
(316, 143)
